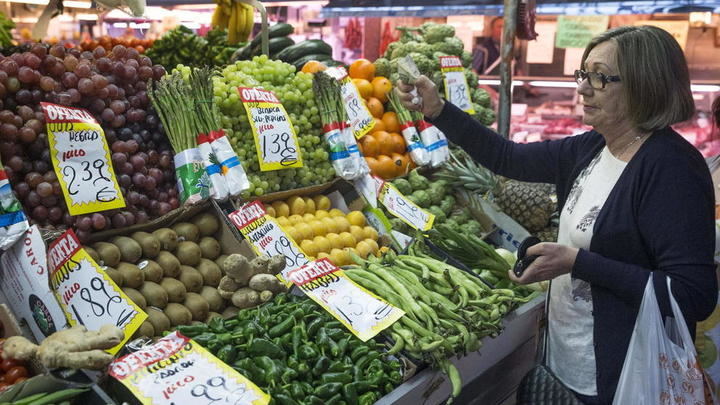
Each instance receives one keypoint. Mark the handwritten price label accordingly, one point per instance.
(400, 206)
(81, 159)
(275, 140)
(176, 370)
(457, 90)
(267, 237)
(87, 295)
(361, 121)
(362, 312)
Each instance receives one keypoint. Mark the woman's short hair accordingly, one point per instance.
(654, 75)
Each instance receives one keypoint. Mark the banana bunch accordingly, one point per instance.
(236, 17)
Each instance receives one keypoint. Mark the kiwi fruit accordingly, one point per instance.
(212, 296)
(174, 288)
(169, 263)
(93, 253)
(178, 314)
(191, 278)
(132, 275)
(167, 237)
(152, 270)
(209, 247)
(146, 329)
(150, 244)
(154, 294)
(158, 319)
(115, 275)
(230, 312)
(197, 305)
(188, 253)
(210, 272)
(136, 297)
(220, 261)
(212, 315)
(109, 253)
(207, 224)
(130, 251)
(186, 231)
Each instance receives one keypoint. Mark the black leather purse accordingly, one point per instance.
(540, 386)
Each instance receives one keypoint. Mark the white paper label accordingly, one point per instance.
(361, 121)
(398, 205)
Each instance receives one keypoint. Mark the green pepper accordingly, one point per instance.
(389, 387)
(328, 390)
(321, 365)
(225, 338)
(271, 371)
(335, 400)
(350, 394)
(214, 345)
(282, 328)
(358, 372)
(359, 352)
(217, 325)
(204, 339)
(283, 399)
(307, 388)
(322, 337)
(286, 342)
(296, 391)
(230, 324)
(293, 362)
(314, 326)
(339, 367)
(308, 307)
(313, 400)
(336, 334)
(333, 324)
(256, 373)
(307, 352)
(368, 398)
(361, 386)
(303, 369)
(288, 376)
(376, 378)
(264, 347)
(192, 330)
(298, 314)
(227, 354)
(334, 348)
(395, 377)
(362, 361)
(297, 338)
(336, 377)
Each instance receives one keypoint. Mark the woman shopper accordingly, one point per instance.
(636, 202)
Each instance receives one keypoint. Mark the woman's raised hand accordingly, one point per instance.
(428, 100)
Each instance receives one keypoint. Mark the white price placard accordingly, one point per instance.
(400, 206)
(457, 90)
(81, 158)
(361, 121)
(275, 139)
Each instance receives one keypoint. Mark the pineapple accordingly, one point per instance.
(549, 234)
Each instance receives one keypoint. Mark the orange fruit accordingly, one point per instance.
(391, 122)
(398, 143)
(372, 164)
(362, 69)
(370, 146)
(379, 126)
(384, 141)
(381, 88)
(364, 88)
(376, 107)
(402, 164)
(313, 66)
(386, 167)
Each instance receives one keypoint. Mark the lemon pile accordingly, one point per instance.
(322, 231)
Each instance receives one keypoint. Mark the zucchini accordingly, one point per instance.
(299, 63)
(275, 45)
(309, 47)
(243, 53)
(275, 31)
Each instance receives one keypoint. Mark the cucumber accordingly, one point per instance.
(299, 63)
(275, 31)
(243, 53)
(309, 47)
(275, 45)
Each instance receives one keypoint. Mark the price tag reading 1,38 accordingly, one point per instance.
(361, 121)
(362, 312)
(267, 237)
(176, 370)
(456, 85)
(87, 295)
(81, 159)
(400, 206)
(275, 140)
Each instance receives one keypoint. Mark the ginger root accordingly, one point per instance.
(70, 348)
(238, 268)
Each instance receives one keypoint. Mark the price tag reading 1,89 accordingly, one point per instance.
(456, 85)
(88, 296)
(81, 159)
(275, 140)
(406, 210)
(267, 237)
(361, 311)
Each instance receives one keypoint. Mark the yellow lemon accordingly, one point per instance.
(351, 251)
(336, 213)
(374, 245)
(309, 217)
(340, 257)
(270, 211)
(305, 230)
(357, 232)
(296, 219)
(342, 224)
(323, 255)
(347, 239)
(297, 205)
(335, 240)
(293, 233)
(370, 233)
(319, 227)
(330, 224)
(281, 209)
(356, 218)
(309, 205)
(322, 202)
(364, 249)
(283, 221)
(322, 244)
(309, 248)
(320, 214)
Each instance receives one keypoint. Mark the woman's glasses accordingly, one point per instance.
(597, 80)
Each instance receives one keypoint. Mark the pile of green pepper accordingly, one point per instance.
(296, 352)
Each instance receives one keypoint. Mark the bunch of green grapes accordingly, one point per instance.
(294, 90)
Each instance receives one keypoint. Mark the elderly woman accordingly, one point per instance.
(636, 202)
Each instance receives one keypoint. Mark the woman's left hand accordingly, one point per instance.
(554, 260)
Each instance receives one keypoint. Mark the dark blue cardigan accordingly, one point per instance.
(658, 219)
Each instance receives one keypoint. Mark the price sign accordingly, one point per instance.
(456, 86)
(275, 140)
(86, 293)
(400, 206)
(176, 370)
(361, 121)
(81, 159)
(267, 237)
(362, 312)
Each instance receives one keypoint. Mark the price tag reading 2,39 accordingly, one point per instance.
(81, 159)
(176, 370)
(362, 312)
(87, 295)
(456, 85)
(275, 139)
(361, 121)
(267, 237)
(403, 208)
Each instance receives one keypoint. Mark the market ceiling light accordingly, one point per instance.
(704, 88)
(700, 18)
(546, 83)
(68, 3)
(493, 82)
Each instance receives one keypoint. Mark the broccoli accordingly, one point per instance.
(452, 46)
(440, 216)
(467, 59)
(418, 181)
(403, 186)
(447, 203)
(420, 197)
(481, 97)
(472, 227)
(438, 32)
(404, 49)
(398, 225)
(382, 67)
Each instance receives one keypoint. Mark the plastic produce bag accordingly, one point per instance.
(193, 181)
(235, 176)
(13, 222)
(339, 154)
(218, 186)
(360, 166)
(661, 365)
(435, 142)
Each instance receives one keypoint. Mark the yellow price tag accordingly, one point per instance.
(409, 212)
(361, 121)
(457, 90)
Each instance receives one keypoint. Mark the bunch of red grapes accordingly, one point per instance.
(112, 86)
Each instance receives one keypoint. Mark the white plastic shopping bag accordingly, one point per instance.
(661, 366)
